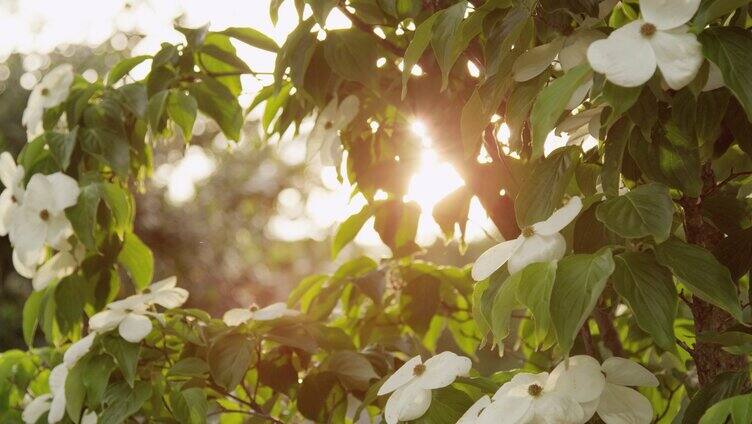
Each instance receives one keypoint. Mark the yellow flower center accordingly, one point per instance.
(419, 369)
(647, 30)
(534, 390)
(528, 231)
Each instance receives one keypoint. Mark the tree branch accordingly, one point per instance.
(609, 335)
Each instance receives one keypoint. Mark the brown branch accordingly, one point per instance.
(587, 340)
(609, 335)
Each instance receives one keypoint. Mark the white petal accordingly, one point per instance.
(36, 408)
(106, 320)
(39, 194)
(537, 248)
(666, 14)
(519, 384)
(237, 316)
(534, 61)
(58, 230)
(622, 405)
(347, 111)
(400, 377)
(28, 231)
(131, 303)
(134, 327)
(8, 170)
(32, 117)
(90, 417)
(625, 57)
(61, 265)
(715, 78)
(582, 380)
(274, 311)
(324, 130)
(169, 298)
(471, 415)
(557, 408)
(57, 408)
(407, 403)
(507, 410)
(560, 218)
(575, 48)
(65, 190)
(678, 54)
(26, 263)
(588, 409)
(7, 208)
(167, 283)
(493, 258)
(58, 82)
(78, 349)
(57, 378)
(442, 369)
(625, 372)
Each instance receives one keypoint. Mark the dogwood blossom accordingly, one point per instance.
(54, 402)
(50, 92)
(324, 137)
(412, 383)
(40, 219)
(617, 403)
(89, 417)
(573, 54)
(237, 316)
(131, 315)
(78, 349)
(630, 54)
(540, 242)
(12, 177)
(471, 415)
(60, 265)
(531, 398)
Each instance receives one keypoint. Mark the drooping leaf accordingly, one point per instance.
(137, 259)
(182, 108)
(123, 67)
(647, 210)
(252, 37)
(534, 292)
(229, 359)
(731, 49)
(347, 230)
(215, 100)
(126, 355)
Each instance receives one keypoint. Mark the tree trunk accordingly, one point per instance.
(711, 359)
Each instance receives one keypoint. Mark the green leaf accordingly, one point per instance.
(31, 312)
(123, 401)
(420, 300)
(647, 210)
(75, 390)
(189, 367)
(189, 405)
(453, 211)
(739, 408)
(724, 386)
(551, 103)
(447, 406)
(615, 145)
(352, 55)
(83, 214)
(397, 225)
(534, 292)
(109, 147)
(444, 39)
(621, 99)
(649, 290)
(229, 359)
(415, 49)
(320, 396)
(215, 100)
(353, 369)
(118, 201)
(252, 37)
(182, 108)
(123, 67)
(228, 57)
(503, 301)
(580, 279)
(321, 9)
(137, 259)
(155, 111)
(731, 49)
(125, 354)
(543, 190)
(712, 9)
(218, 58)
(699, 270)
(350, 228)
(62, 146)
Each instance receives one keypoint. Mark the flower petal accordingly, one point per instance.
(493, 258)
(134, 327)
(274, 311)
(534, 61)
(57, 378)
(538, 248)
(39, 194)
(65, 190)
(78, 349)
(27, 230)
(407, 403)
(667, 14)
(557, 408)
(237, 316)
(57, 408)
(90, 417)
(575, 48)
(8, 170)
(58, 230)
(625, 372)
(442, 369)
(36, 408)
(560, 218)
(106, 320)
(61, 265)
(323, 131)
(346, 112)
(7, 208)
(130, 303)
(518, 385)
(471, 415)
(507, 410)
(582, 378)
(167, 283)
(25, 263)
(625, 57)
(400, 377)
(622, 405)
(169, 298)
(678, 54)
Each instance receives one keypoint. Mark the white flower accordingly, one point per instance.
(531, 399)
(237, 316)
(40, 219)
(78, 349)
(50, 92)
(617, 404)
(12, 176)
(540, 242)
(90, 417)
(324, 137)
(630, 55)
(471, 415)
(131, 315)
(36, 408)
(412, 384)
(573, 54)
